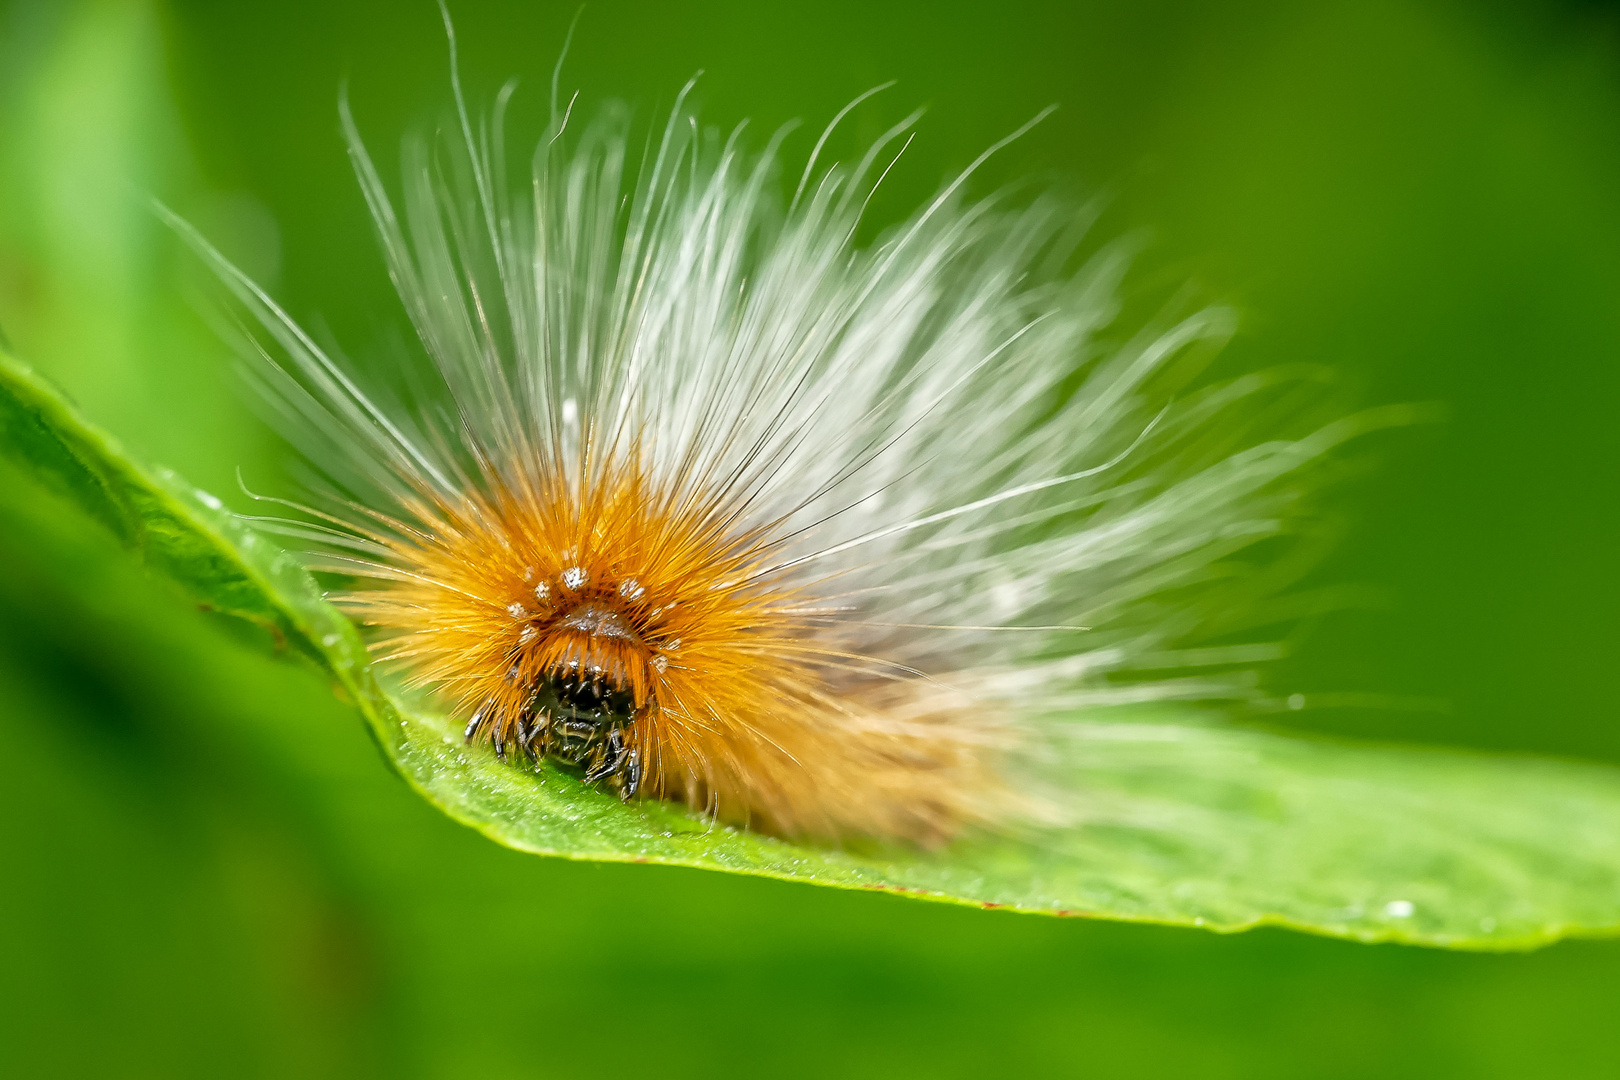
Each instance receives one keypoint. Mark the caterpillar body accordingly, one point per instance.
(704, 500)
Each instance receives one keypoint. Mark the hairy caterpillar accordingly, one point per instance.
(706, 501)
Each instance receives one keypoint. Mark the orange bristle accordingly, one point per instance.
(523, 585)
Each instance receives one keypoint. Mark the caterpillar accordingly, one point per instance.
(687, 491)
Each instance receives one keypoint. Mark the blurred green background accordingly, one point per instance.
(209, 870)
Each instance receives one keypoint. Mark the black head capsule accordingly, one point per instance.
(586, 695)
(589, 721)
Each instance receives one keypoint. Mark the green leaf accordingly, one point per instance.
(1227, 829)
